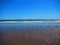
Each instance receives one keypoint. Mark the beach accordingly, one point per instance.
(29, 33)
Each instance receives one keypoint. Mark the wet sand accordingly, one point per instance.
(29, 35)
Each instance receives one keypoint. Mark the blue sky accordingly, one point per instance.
(30, 9)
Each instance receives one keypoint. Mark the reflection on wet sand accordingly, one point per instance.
(29, 36)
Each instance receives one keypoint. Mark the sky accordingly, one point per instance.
(29, 9)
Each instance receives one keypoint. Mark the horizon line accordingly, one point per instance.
(29, 20)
